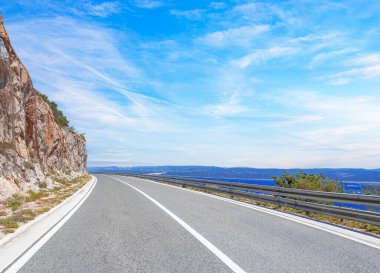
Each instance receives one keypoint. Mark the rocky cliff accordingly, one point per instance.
(34, 148)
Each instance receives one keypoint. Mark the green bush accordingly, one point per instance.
(308, 182)
(59, 117)
(371, 190)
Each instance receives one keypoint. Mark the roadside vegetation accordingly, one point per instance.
(306, 181)
(59, 117)
(19, 209)
(303, 181)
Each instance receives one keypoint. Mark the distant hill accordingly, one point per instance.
(345, 174)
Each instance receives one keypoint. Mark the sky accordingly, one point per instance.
(266, 84)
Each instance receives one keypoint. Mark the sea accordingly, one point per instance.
(352, 187)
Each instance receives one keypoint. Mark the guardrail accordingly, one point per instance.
(307, 200)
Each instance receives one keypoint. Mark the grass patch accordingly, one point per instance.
(9, 230)
(23, 216)
(9, 223)
(14, 202)
(62, 181)
(34, 196)
(44, 209)
(46, 200)
(42, 184)
(82, 179)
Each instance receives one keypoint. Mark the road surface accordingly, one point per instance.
(143, 226)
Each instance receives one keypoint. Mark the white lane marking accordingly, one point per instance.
(223, 257)
(336, 230)
(16, 266)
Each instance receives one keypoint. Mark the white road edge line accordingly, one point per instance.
(336, 230)
(25, 257)
(223, 257)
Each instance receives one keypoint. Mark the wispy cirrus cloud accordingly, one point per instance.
(241, 36)
(143, 78)
(260, 56)
(228, 107)
(103, 9)
(88, 77)
(148, 4)
(362, 67)
(194, 14)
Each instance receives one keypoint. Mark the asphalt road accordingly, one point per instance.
(119, 229)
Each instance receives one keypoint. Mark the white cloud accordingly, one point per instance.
(102, 10)
(83, 70)
(241, 36)
(217, 5)
(364, 67)
(148, 4)
(324, 56)
(227, 108)
(194, 14)
(263, 55)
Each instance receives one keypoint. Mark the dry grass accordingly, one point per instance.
(22, 209)
(34, 196)
(9, 223)
(14, 202)
(8, 230)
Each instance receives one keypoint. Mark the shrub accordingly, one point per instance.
(14, 202)
(82, 178)
(42, 184)
(62, 181)
(29, 165)
(371, 190)
(23, 216)
(6, 145)
(33, 196)
(9, 230)
(308, 182)
(9, 223)
(286, 180)
(59, 117)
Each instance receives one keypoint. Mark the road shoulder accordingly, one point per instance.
(17, 248)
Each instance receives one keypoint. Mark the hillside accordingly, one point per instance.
(36, 143)
(347, 174)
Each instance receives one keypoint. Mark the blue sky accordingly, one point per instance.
(226, 83)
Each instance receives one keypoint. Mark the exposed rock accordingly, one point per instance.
(33, 146)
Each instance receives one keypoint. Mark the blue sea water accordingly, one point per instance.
(354, 187)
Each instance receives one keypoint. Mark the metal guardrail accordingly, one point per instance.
(307, 200)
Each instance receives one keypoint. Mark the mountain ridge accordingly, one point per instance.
(348, 174)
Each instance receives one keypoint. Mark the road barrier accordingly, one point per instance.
(306, 200)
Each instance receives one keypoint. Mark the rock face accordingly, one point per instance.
(33, 147)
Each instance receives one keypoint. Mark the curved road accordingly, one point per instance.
(148, 227)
